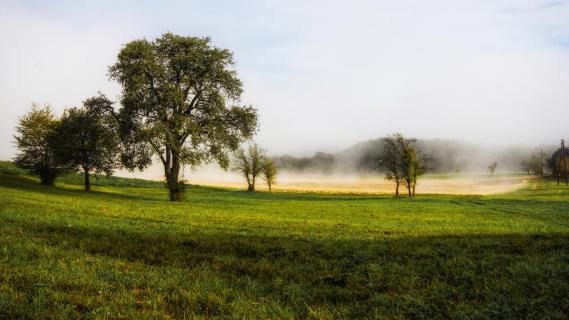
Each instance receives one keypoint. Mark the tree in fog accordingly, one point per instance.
(411, 164)
(533, 165)
(556, 164)
(180, 99)
(33, 139)
(419, 167)
(88, 140)
(269, 172)
(249, 164)
(492, 167)
(391, 160)
(402, 162)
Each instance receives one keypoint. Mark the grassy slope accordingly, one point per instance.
(126, 252)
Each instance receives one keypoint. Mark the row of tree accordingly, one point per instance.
(400, 159)
(179, 103)
(81, 139)
(557, 164)
(253, 163)
(534, 165)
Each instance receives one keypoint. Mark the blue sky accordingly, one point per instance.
(323, 74)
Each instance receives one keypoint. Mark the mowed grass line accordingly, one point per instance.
(126, 252)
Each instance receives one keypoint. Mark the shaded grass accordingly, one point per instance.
(125, 252)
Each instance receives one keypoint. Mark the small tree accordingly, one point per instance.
(534, 165)
(250, 164)
(269, 172)
(492, 167)
(33, 135)
(403, 163)
(419, 167)
(88, 141)
(391, 160)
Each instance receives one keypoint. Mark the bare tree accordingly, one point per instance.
(269, 172)
(250, 164)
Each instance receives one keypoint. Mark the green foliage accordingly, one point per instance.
(179, 102)
(556, 165)
(10, 168)
(126, 253)
(109, 181)
(403, 164)
(88, 140)
(37, 154)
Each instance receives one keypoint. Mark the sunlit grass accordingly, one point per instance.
(126, 252)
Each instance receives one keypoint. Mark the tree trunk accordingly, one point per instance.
(87, 182)
(174, 189)
(565, 168)
(251, 187)
(397, 187)
(409, 189)
(47, 176)
(47, 180)
(172, 173)
(270, 190)
(559, 169)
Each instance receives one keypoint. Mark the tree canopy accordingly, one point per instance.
(180, 102)
(404, 165)
(269, 171)
(87, 139)
(33, 135)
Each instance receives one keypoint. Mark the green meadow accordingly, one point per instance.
(124, 251)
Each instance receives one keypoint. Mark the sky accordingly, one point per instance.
(322, 74)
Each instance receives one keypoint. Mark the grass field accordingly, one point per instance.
(123, 251)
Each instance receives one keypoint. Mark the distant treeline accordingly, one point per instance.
(442, 156)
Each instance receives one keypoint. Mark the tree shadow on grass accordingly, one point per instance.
(29, 184)
(442, 276)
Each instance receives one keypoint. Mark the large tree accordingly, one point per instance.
(33, 135)
(88, 140)
(180, 100)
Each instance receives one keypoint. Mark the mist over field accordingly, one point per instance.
(454, 167)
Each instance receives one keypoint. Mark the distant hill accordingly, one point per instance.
(444, 156)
